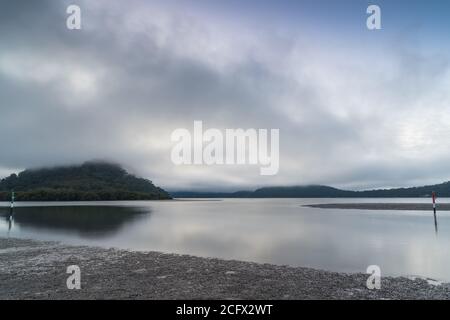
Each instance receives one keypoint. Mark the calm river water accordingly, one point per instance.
(279, 231)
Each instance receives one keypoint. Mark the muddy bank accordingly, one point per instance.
(37, 270)
(383, 206)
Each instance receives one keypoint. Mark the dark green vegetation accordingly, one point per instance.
(87, 182)
(317, 191)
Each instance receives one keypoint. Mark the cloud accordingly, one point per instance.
(136, 72)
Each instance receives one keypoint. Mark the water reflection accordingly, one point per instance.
(86, 221)
(435, 223)
(9, 219)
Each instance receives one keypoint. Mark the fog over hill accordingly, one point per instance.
(89, 181)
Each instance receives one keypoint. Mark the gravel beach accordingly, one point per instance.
(37, 270)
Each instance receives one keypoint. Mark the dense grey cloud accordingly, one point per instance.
(138, 70)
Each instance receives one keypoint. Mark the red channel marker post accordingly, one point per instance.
(433, 195)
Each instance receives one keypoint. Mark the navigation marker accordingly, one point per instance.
(433, 195)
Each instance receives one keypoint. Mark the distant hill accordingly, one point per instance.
(270, 192)
(89, 181)
(319, 191)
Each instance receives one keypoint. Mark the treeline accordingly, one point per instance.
(70, 195)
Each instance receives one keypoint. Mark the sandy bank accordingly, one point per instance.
(383, 206)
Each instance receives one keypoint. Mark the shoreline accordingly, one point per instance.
(382, 206)
(31, 269)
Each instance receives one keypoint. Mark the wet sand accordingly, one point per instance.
(37, 270)
(383, 206)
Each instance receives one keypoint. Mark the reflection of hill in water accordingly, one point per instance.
(89, 221)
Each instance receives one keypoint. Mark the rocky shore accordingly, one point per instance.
(37, 270)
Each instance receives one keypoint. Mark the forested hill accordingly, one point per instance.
(318, 191)
(86, 182)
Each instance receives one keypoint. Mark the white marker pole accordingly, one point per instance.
(12, 199)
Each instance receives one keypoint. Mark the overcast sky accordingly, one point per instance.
(355, 108)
